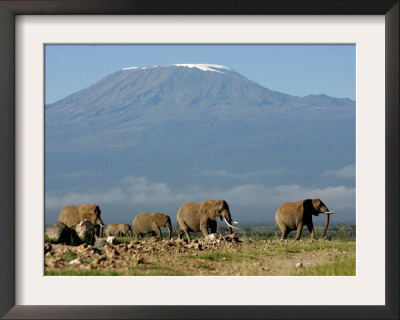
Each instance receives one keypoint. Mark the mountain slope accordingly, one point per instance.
(130, 100)
(195, 125)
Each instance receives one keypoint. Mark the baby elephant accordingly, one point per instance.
(145, 223)
(111, 229)
(123, 230)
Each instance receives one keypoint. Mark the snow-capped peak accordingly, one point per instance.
(203, 67)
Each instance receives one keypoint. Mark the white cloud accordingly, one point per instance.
(76, 175)
(243, 175)
(254, 201)
(347, 172)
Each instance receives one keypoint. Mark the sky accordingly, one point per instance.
(297, 70)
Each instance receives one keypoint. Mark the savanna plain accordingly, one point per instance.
(251, 251)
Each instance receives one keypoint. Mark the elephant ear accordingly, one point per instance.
(220, 205)
(316, 204)
(308, 206)
(164, 219)
(208, 209)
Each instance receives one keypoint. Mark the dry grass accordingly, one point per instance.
(242, 258)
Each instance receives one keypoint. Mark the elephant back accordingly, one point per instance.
(111, 229)
(188, 210)
(189, 214)
(143, 222)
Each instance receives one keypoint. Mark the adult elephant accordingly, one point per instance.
(145, 223)
(71, 215)
(294, 215)
(111, 230)
(124, 230)
(195, 217)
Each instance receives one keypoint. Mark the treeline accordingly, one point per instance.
(340, 231)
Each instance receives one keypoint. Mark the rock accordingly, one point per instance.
(211, 237)
(111, 253)
(85, 231)
(60, 233)
(100, 243)
(299, 265)
(76, 261)
(233, 237)
(111, 240)
(47, 248)
(140, 260)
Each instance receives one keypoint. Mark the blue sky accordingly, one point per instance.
(298, 70)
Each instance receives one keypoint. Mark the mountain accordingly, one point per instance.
(195, 125)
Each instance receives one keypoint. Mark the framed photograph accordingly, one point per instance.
(52, 156)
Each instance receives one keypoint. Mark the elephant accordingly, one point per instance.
(294, 215)
(195, 217)
(123, 229)
(111, 230)
(145, 223)
(71, 215)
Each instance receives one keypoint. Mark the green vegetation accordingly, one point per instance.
(342, 267)
(217, 256)
(148, 269)
(340, 231)
(69, 256)
(119, 240)
(258, 252)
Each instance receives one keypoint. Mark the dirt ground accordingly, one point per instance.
(218, 256)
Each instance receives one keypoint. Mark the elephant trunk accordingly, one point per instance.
(98, 221)
(326, 224)
(228, 220)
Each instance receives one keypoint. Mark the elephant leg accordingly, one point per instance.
(158, 232)
(299, 230)
(188, 236)
(310, 228)
(213, 227)
(204, 229)
(287, 231)
(184, 227)
(284, 230)
(179, 234)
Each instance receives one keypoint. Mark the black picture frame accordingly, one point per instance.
(8, 11)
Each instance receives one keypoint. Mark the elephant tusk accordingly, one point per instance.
(229, 224)
(328, 212)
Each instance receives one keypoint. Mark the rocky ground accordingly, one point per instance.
(215, 255)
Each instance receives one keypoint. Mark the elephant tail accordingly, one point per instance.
(176, 226)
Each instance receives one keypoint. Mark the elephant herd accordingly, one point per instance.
(195, 217)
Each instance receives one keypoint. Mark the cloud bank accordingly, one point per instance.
(252, 201)
(347, 172)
